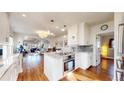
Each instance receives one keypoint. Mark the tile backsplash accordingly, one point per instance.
(85, 48)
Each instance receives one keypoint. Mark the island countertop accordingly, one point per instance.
(54, 55)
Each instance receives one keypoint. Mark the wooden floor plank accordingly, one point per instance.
(33, 71)
(103, 72)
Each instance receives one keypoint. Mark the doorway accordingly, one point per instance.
(105, 53)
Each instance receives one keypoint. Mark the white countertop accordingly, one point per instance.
(54, 55)
(6, 64)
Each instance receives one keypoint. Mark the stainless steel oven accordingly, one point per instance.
(69, 63)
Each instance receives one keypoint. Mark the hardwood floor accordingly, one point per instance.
(103, 72)
(32, 69)
(105, 69)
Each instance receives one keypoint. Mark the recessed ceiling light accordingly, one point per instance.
(52, 21)
(63, 30)
(65, 26)
(26, 37)
(24, 15)
(52, 34)
(57, 27)
(64, 36)
(48, 31)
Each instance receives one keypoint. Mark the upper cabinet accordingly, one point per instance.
(4, 28)
(72, 35)
(79, 34)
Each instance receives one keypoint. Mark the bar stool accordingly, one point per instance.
(120, 70)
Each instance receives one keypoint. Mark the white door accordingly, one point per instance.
(98, 49)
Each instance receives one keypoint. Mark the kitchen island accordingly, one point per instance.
(53, 66)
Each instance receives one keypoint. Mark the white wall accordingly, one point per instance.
(58, 40)
(94, 30)
(105, 41)
(17, 38)
(4, 27)
(118, 19)
(5, 33)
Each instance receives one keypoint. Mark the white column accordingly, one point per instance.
(118, 19)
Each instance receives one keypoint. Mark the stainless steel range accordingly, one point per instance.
(69, 61)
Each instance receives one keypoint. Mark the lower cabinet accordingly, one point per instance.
(83, 60)
(6, 76)
(12, 72)
(77, 60)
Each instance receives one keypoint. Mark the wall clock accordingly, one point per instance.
(104, 27)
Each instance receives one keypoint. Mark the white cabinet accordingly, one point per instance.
(4, 28)
(72, 35)
(53, 66)
(78, 34)
(12, 70)
(11, 74)
(77, 60)
(6, 77)
(83, 60)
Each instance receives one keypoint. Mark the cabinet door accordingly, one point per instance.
(15, 72)
(85, 62)
(6, 77)
(72, 35)
(77, 60)
(11, 74)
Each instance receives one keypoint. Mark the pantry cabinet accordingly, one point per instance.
(78, 34)
(4, 28)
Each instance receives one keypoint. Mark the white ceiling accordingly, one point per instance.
(41, 20)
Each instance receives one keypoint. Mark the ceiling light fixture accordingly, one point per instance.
(65, 26)
(63, 29)
(52, 21)
(44, 34)
(26, 37)
(57, 27)
(64, 36)
(24, 15)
